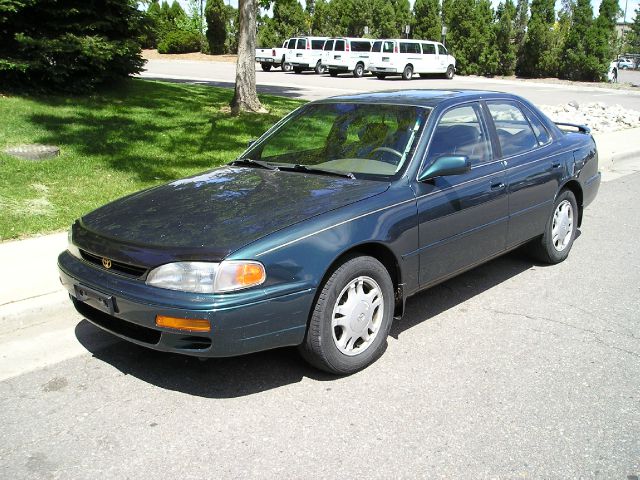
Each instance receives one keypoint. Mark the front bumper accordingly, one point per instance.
(241, 323)
(376, 69)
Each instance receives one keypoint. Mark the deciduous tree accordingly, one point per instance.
(215, 13)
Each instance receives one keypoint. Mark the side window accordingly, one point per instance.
(376, 46)
(538, 127)
(339, 46)
(514, 132)
(387, 47)
(328, 45)
(460, 132)
(428, 49)
(302, 44)
(317, 44)
(442, 50)
(360, 47)
(404, 47)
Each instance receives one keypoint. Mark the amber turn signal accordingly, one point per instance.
(249, 274)
(188, 324)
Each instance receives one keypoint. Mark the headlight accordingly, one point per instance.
(73, 250)
(207, 277)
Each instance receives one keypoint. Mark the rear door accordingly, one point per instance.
(534, 168)
(410, 53)
(462, 218)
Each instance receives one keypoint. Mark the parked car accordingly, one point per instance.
(625, 63)
(273, 57)
(305, 54)
(317, 241)
(407, 57)
(343, 54)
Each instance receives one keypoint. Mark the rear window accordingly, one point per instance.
(406, 47)
(428, 49)
(339, 46)
(387, 47)
(376, 46)
(360, 47)
(328, 45)
(302, 44)
(317, 44)
(538, 127)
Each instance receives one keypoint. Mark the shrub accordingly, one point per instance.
(68, 45)
(180, 41)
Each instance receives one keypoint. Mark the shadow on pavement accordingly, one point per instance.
(279, 90)
(249, 374)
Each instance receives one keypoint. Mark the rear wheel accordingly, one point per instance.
(286, 67)
(297, 70)
(266, 66)
(333, 73)
(381, 76)
(450, 72)
(407, 73)
(318, 68)
(560, 232)
(351, 318)
(359, 70)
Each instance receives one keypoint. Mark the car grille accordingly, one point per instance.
(117, 267)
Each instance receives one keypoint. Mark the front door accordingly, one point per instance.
(462, 218)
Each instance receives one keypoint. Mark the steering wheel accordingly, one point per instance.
(386, 149)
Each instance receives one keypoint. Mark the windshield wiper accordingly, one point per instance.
(303, 168)
(254, 163)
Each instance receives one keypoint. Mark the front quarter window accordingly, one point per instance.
(367, 139)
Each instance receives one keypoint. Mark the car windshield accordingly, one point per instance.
(369, 140)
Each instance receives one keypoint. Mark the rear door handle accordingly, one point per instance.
(497, 186)
(556, 165)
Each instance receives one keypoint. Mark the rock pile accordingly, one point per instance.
(597, 116)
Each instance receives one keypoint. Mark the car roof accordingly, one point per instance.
(422, 98)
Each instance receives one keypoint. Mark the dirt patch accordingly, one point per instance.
(197, 56)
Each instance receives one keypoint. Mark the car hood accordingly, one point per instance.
(210, 215)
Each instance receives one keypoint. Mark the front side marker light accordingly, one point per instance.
(239, 274)
(185, 324)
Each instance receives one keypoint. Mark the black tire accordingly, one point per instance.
(450, 72)
(333, 73)
(381, 76)
(407, 73)
(319, 347)
(358, 71)
(543, 248)
(297, 70)
(266, 66)
(318, 68)
(286, 67)
(424, 75)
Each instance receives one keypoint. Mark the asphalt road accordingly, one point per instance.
(310, 86)
(512, 370)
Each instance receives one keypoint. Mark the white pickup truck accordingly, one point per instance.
(274, 57)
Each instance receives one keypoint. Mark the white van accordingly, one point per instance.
(343, 54)
(305, 53)
(406, 57)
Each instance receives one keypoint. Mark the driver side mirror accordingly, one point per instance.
(446, 165)
(251, 142)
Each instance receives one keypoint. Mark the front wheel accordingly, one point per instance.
(358, 71)
(286, 67)
(266, 66)
(560, 232)
(381, 76)
(450, 72)
(319, 68)
(351, 318)
(407, 73)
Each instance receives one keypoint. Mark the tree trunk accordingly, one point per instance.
(245, 97)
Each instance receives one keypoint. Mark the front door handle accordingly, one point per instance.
(497, 186)
(556, 165)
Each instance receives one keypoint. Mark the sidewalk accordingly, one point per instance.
(30, 289)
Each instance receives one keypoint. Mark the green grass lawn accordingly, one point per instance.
(113, 143)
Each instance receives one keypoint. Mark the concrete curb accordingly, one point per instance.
(31, 311)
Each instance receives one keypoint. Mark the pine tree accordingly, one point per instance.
(427, 23)
(70, 45)
(402, 15)
(536, 59)
(578, 60)
(633, 37)
(505, 38)
(464, 38)
(520, 22)
(215, 14)
(489, 59)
